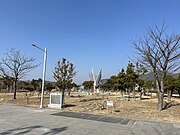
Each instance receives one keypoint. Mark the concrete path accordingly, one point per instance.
(18, 120)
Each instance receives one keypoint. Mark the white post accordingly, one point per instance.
(43, 81)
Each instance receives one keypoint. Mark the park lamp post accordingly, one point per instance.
(44, 73)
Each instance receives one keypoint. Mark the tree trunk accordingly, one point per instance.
(160, 101)
(89, 91)
(11, 88)
(63, 91)
(134, 93)
(151, 95)
(169, 95)
(160, 95)
(15, 88)
(103, 93)
(27, 101)
(122, 92)
(141, 93)
(69, 93)
(129, 92)
(6, 91)
(27, 98)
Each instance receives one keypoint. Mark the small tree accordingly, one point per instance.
(69, 87)
(169, 85)
(49, 86)
(120, 82)
(140, 83)
(131, 78)
(8, 82)
(39, 81)
(63, 74)
(113, 82)
(35, 84)
(107, 85)
(15, 65)
(140, 70)
(149, 85)
(88, 85)
(177, 85)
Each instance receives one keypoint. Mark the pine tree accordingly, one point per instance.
(63, 74)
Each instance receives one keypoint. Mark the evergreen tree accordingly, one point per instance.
(120, 81)
(131, 78)
(63, 74)
(177, 85)
(169, 85)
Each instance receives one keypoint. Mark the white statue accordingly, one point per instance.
(96, 79)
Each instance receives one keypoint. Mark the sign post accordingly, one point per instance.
(110, 105)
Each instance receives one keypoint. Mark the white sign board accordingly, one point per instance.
(109, 103)
(55, 100)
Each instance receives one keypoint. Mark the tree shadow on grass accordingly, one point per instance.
(92, 99)
(145, 98)
(77, 96)
(33, 129)
(68, 105)
(170, 104)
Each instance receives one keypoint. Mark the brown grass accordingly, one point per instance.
(136, 109)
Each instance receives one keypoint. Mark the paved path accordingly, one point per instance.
(17, 120)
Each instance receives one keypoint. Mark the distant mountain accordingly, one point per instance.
(150, 76)
(103, 81)
(176, 75)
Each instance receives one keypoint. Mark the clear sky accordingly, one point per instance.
(89, 33)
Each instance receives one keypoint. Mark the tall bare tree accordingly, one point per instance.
(160, 53)
(16, 65)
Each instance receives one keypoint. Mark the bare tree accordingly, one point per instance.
(160, 53)
(16, 65)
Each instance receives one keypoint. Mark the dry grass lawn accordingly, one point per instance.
(137, 109)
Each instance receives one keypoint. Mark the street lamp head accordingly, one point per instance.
(33, 45)
(44, 50)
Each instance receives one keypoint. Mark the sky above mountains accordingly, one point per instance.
(89, 33)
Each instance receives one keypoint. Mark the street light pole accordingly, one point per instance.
(44, 73)
(43, 81)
